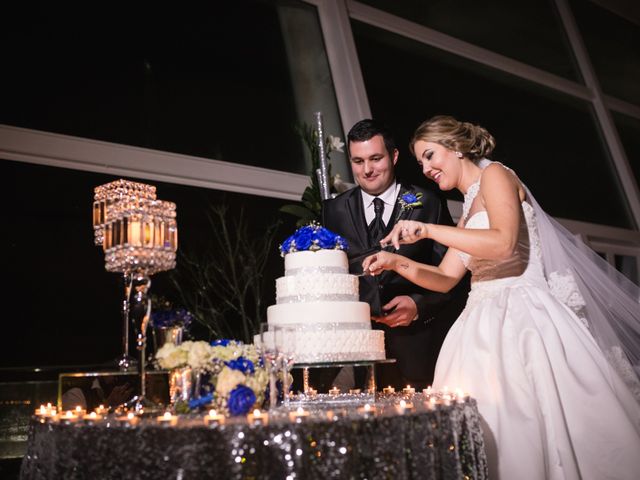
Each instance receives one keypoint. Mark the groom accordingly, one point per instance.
(415, 321)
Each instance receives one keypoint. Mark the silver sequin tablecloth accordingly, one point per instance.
(445, 443)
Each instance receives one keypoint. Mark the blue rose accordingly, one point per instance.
(326, 239)
(223, 342)
(409, 197)
(242, 364)
(241, 399)
(304, 239)
(286, 245)
(201, 401)
(341, 243)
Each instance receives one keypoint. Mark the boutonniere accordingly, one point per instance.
(408, 201)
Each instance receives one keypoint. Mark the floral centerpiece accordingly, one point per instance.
(312, 237)
(229, 375)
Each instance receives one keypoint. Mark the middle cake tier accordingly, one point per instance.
(313, 287)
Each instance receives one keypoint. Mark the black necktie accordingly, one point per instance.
(376, 228)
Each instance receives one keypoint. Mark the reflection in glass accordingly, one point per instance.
(613, 45)
(228, 83)
(629, 131)
(528, 30)
(551, 140)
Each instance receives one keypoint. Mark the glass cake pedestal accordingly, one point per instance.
(363, 392)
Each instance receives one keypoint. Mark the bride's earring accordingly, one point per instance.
(459, 154)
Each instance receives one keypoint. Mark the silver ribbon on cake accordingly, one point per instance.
(322, 172)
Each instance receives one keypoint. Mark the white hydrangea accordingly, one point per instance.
(170, 356)
(228, 380)
(200, 355)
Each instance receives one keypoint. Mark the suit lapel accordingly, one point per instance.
(356, 214)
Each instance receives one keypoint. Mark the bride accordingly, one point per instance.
(549, 334)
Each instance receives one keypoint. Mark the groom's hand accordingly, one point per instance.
(402, 311)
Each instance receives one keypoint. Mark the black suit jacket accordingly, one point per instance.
(415, 347)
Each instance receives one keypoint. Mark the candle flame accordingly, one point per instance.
(167, 415)
(300, 410)
(256, 412)
(212, 413)
(130, 415)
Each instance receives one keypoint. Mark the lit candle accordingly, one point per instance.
(367, 410)
(312, 392)
(446, 398)
(92, 418)
(214, 418)
(130, 420)
(101, 410)
(403, 406)
(299, 415)
(432, 403)
(168, 419)
(460, 395)
(334, 391)
(46, 411)
(408, 390)
(79, 411)
(354, 391)
(427, 391)
(258, 417)
(68, 417)
(389, 390)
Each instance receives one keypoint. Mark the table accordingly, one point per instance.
(424, 443)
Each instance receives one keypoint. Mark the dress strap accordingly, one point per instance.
(469, 197)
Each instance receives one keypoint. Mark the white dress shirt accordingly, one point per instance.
(389, 197)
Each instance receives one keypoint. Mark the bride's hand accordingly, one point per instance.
(404, 232)
(378, 262)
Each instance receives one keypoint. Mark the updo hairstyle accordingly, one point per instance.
(473, 141)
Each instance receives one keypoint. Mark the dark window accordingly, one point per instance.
(550, 139)
(528, 30)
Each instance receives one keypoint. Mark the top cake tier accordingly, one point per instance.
(322, 261)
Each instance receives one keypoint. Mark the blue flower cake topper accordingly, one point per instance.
(313, 237)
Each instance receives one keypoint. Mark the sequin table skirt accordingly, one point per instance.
(445, 443)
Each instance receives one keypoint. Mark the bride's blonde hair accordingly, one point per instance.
(473, 141)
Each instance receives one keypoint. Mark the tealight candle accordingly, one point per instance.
(334, 391)
(92, 418)
(427, 391)
(168, 419)
(354, 391)
(101, 410)
(408, 390)
(46, 411)
(403, 406)
(68, 417)
(79, 411)
(367, 410)
(258, 417)
(432, 403)
(389, 390)
(299, 415)
(214, 418)
(130, 420)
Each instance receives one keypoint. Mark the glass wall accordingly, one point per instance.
(613, 44)
(527, 30)
(220, 80)
(550, 139)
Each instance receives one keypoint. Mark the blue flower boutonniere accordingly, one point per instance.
(408, 201)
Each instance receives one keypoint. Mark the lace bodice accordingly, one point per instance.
(526, 256)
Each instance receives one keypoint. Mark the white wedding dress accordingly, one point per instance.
(551, 405)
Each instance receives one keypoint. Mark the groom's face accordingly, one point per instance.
(372, 165)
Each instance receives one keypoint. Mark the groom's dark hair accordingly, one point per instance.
(367, 129)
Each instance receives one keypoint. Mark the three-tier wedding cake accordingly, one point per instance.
(319, 300)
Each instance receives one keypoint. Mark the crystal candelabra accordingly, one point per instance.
(108, 200)
(140, 237)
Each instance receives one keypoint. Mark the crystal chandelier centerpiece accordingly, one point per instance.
(139, 235)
